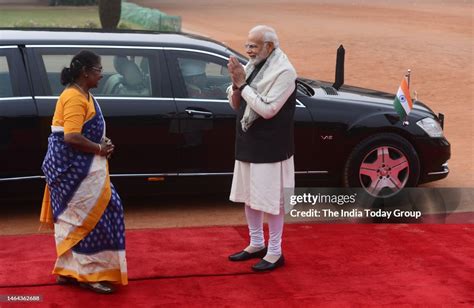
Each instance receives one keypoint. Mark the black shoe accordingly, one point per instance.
(244, 255)
(267, 266)
(102, 287)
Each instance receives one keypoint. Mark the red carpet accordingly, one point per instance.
(327, 265)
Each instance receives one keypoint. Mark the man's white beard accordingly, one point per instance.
(258, 58)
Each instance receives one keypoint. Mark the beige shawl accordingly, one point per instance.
(276, 64)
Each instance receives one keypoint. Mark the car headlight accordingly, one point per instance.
(431, 127)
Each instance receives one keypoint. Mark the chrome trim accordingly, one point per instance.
(299, 104)
(15, 98)
(196, 50)
(8, 46)
(438, 172)
(130, 47)
(121, 175)
(445, 171)
(178, 99)
(167, 174)
(201, 174)
(201, 100)
(46, 97)
(147, 98)
(93, 46)
(143, 98)
(204, 173)
(118, 98)
(33, 177)
(198, 112)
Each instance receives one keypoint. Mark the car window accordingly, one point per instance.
(5, 80)
(204, 76)
(123, 75)
(126, 76)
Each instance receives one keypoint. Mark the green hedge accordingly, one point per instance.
(72, 2)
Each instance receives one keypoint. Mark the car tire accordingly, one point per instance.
(382, 164)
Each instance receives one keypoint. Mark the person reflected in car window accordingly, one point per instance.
(263, 94)
(79, 200)
(195, 79)
(194, 75)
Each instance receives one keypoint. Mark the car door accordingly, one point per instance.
(20, 157)
(206, 127)
(135, 98)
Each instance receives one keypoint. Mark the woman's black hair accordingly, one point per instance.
(84, 58)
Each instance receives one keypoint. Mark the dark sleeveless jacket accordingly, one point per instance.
(266, 141)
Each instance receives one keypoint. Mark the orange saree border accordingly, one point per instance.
(89, 222)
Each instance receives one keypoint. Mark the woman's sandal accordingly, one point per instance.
(102, 287)
(65, 280)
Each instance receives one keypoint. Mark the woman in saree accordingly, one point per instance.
(80, 201)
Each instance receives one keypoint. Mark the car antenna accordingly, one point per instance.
(339, 80)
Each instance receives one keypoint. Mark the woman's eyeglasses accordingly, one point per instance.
(97, 69)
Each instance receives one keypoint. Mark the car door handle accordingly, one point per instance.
(193, 112)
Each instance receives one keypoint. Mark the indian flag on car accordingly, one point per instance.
(402, 103)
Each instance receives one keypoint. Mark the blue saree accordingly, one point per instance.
(86, 210)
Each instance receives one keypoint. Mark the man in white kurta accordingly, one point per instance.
(264, 97)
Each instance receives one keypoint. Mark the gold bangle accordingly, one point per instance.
(100, 148)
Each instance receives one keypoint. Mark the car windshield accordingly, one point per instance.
(304, 88)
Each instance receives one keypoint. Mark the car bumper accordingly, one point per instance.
(434, 154)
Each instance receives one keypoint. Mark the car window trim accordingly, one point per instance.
(131, 47)
(142, 98)
(37, 53)
(114, 98)
(15, 98)
(178, 99)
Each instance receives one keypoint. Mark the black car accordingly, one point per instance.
(164, 100)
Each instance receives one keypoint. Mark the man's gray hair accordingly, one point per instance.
(268, 33)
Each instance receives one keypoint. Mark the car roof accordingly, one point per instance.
(98, 37)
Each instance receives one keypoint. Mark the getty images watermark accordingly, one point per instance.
(410, 205)
(20, 298)
(323, 207)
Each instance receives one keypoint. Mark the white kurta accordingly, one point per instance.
(261, 186)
